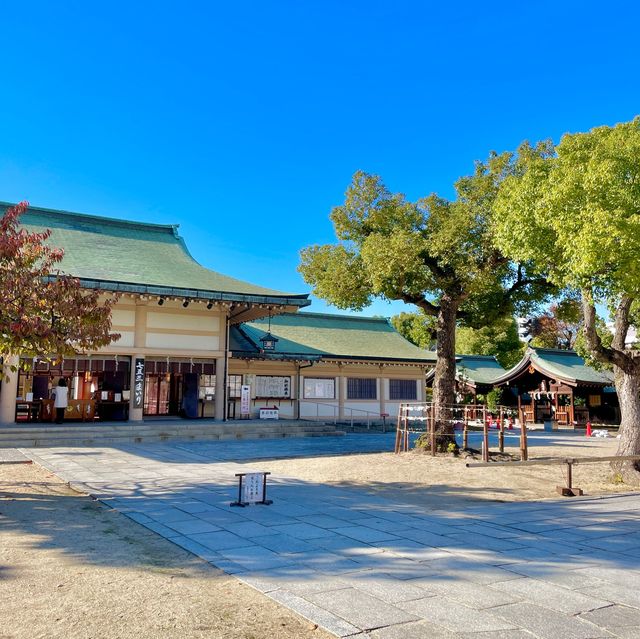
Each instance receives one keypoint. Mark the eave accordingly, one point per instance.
(256, 306)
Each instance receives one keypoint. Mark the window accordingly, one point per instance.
(403, 389)
(235, 385)
(273, 386)
(361, 388)
(207, 387)
(319, 388)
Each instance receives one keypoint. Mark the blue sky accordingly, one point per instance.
(244, 121)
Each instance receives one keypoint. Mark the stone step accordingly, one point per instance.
(156, 432)
(162, 431)
(74, 432)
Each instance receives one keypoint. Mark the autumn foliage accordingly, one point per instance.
(43, 312)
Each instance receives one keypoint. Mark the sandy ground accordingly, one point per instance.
(70, 567)
(446, 483)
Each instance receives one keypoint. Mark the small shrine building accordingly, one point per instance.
(558, 385)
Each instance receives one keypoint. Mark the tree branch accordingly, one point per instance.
(621, 323)
(439, 271)
(421, 302)
(614, 355)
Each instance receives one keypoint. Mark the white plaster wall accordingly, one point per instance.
(324, 408)
(126, 338)
(122, 317)
(373, 407)
(190, 342)
(184, 322)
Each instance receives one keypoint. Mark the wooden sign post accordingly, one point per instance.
(252, 489)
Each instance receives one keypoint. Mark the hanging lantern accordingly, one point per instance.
(269, 341)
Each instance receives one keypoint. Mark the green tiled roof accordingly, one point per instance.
(479, 369)
(568, 365)
(107, 250)
(339, 336)
(562, 365)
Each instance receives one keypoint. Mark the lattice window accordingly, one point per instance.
(361, 388)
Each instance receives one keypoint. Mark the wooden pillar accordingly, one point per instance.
(9, 392)
(342, 392)
(221, 384)
(519, 406)
(571, 411)
(533, 408)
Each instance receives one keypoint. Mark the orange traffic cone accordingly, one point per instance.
(588, 433)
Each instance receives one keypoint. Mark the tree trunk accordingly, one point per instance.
(626, 368)
(628, 388)
(445, 372)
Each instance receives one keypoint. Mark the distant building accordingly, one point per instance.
(474, 375)
(344, 366)
(546, 384)
(553, 384)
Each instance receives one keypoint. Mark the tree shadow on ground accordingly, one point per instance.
(464, 538)
(44, 515)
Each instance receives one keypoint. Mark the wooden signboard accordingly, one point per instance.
(252, 489)
(138, 383)
(245, 401)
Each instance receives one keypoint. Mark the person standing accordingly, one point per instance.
(62, 399)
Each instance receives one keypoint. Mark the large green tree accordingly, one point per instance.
(435, 253)
(574, 212)
(499, 338)
(419, 328)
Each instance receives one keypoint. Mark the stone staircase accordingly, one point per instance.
(106, 433)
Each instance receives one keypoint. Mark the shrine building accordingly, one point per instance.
(197, 343)
(558, 385)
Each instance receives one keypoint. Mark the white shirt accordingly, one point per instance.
(61, 396)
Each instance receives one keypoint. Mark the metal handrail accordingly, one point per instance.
(336, 411)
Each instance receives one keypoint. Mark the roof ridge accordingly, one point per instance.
(540, 349)
(150, 226)
(359, 318)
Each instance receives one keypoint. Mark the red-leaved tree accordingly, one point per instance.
(43, 312)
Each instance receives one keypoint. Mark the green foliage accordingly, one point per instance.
(499, 338)
(419, 328)
(493, 398)
(417, 251)
(572, 210)
(423, 442)
(434, 253)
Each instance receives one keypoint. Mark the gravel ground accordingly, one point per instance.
(445, 482)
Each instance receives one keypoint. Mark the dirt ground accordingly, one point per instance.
(445, 482)
(72, 568)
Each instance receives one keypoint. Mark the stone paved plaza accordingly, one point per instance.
(363, 566)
